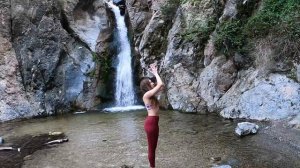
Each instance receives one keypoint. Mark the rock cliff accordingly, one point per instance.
(214, 55)
(212, 61)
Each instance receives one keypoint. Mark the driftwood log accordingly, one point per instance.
(9, 148)
(57, 141)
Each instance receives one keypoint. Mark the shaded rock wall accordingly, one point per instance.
(14, 102)
(47, 57)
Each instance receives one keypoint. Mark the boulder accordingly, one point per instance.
(245, 128)
(253, 97)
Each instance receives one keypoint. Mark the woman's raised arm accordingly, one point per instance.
(159, 85)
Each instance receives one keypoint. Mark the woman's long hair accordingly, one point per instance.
(145, 86)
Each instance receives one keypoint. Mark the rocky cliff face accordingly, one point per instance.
(47, 56)
(203, 73)
(58, 54)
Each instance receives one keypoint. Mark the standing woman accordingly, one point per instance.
(149, 90)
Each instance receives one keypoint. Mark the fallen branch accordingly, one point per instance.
(9, 148)
(57, 141)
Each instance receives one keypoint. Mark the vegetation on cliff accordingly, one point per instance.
(278, 20)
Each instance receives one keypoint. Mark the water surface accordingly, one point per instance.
(107, 140)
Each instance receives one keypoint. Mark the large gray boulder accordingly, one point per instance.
(273, 97)
(216, 79)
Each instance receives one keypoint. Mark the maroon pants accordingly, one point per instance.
(152, 131)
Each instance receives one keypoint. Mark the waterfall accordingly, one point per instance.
(124, 95)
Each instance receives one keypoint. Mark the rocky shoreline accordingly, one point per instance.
(19, 149)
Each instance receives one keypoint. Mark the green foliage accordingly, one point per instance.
(92, 74)
(169, 9)
(276, 17)
(95, 57)
(230, 35)
(198, 33)
(279, 19)
(105, 65)
(171, 6)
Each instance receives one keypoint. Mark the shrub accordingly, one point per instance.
(276, 16)
(279, 19)
(199, 33)
(169, 9)
(230, 35)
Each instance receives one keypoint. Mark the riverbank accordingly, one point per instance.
(23, 147)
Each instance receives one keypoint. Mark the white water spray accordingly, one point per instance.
(124, 94)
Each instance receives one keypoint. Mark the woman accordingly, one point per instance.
(149, 90)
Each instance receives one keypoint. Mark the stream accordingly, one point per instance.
(111, 140)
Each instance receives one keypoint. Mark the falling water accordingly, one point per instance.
(124, 94)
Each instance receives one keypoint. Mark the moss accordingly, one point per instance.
(92, 74)
(105, 65)
(198, 32)
(95, 57)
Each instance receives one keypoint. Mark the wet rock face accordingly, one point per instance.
(139, 13)
(85, 19)
(13, 101)
(46, 68)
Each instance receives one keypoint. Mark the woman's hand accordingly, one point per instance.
(153, 69)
